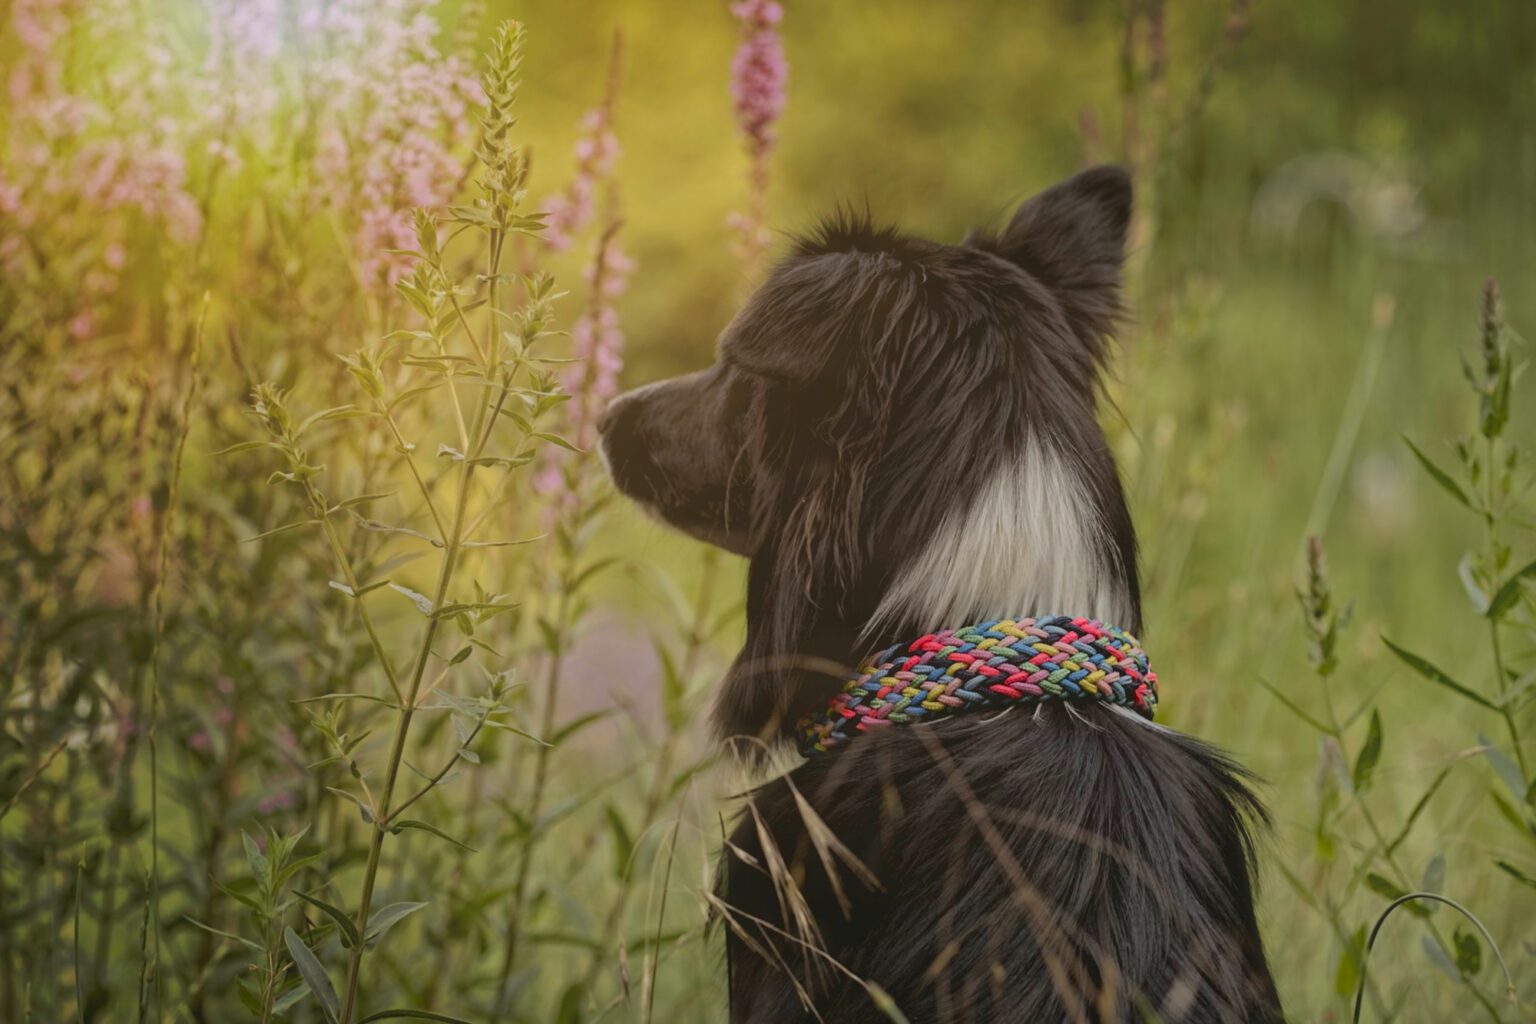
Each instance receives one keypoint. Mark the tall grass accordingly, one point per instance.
(391, 709)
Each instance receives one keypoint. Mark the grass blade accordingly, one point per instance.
(1434, 675)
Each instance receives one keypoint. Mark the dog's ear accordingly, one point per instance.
(1071, 238)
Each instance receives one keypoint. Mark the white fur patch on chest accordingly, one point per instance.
(1028, 542)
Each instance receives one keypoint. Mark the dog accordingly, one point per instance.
(901, 436)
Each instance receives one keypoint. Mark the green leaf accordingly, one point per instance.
(592, 570)
(569, 1011)
(502, 543)
(1434, 675)
(340, 412)
(486, 609)
(280, 529)
(1517, 692)
(504, 461)
(407, 395)
(225, 935)
(575, 725)
(242, 898)
(412, 1015)
(1292, 706)
(378, 527)
(345, 696)
(360, 591)
(260, 869)
(1515, 873)
(361, 499)
(1434, 877)
(1346, 977)
(288, 1000)
(361, 804)
(421, 601)
(396, 827)
(348, 929)
(1509, 592)
(313, 973)
(1469, 583)
(387, 917)
(245, 446)
(1440, 476)
(1511, 813)
(556, 439)
(1384, 886)
(249, 997)
(623, 844)
(1370, 753)
(1418, 809)
(1469, 953)
(1504, 767)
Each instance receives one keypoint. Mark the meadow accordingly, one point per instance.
(339, 686)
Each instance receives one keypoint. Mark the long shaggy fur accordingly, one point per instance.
(902, 435)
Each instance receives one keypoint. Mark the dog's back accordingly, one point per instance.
(1061, 865)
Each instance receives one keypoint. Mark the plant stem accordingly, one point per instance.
(480, 433)
(1500, 678)
(167, 537)
(536, 796)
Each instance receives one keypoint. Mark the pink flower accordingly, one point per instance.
(759, 74)
(759, 79)
(400, 112)
(597, 342)
(282, 800)
(10, 198)
(572, 210)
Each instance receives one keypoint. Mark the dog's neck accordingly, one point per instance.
(1031, 541)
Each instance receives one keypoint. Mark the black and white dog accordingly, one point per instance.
(901, 436)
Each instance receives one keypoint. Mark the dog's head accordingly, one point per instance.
(900, 434)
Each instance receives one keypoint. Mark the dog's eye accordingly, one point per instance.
(763, 373)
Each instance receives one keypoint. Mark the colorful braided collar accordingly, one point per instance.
(991, 665)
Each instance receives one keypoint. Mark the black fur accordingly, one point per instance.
(1061, 866)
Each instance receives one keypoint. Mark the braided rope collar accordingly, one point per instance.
(996, 665)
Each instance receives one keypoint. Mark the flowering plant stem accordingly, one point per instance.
(480, 432)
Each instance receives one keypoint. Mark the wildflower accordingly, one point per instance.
(597, 343)
(572, 210)
(413, 102)
(1493, 375)
(282, 800)
(759, 74)
(1316, 597)
(759, 77)
(10, 198)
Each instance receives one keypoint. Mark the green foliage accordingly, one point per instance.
(1376, 859)
(224, 666)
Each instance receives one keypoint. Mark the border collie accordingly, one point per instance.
(901, 436)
